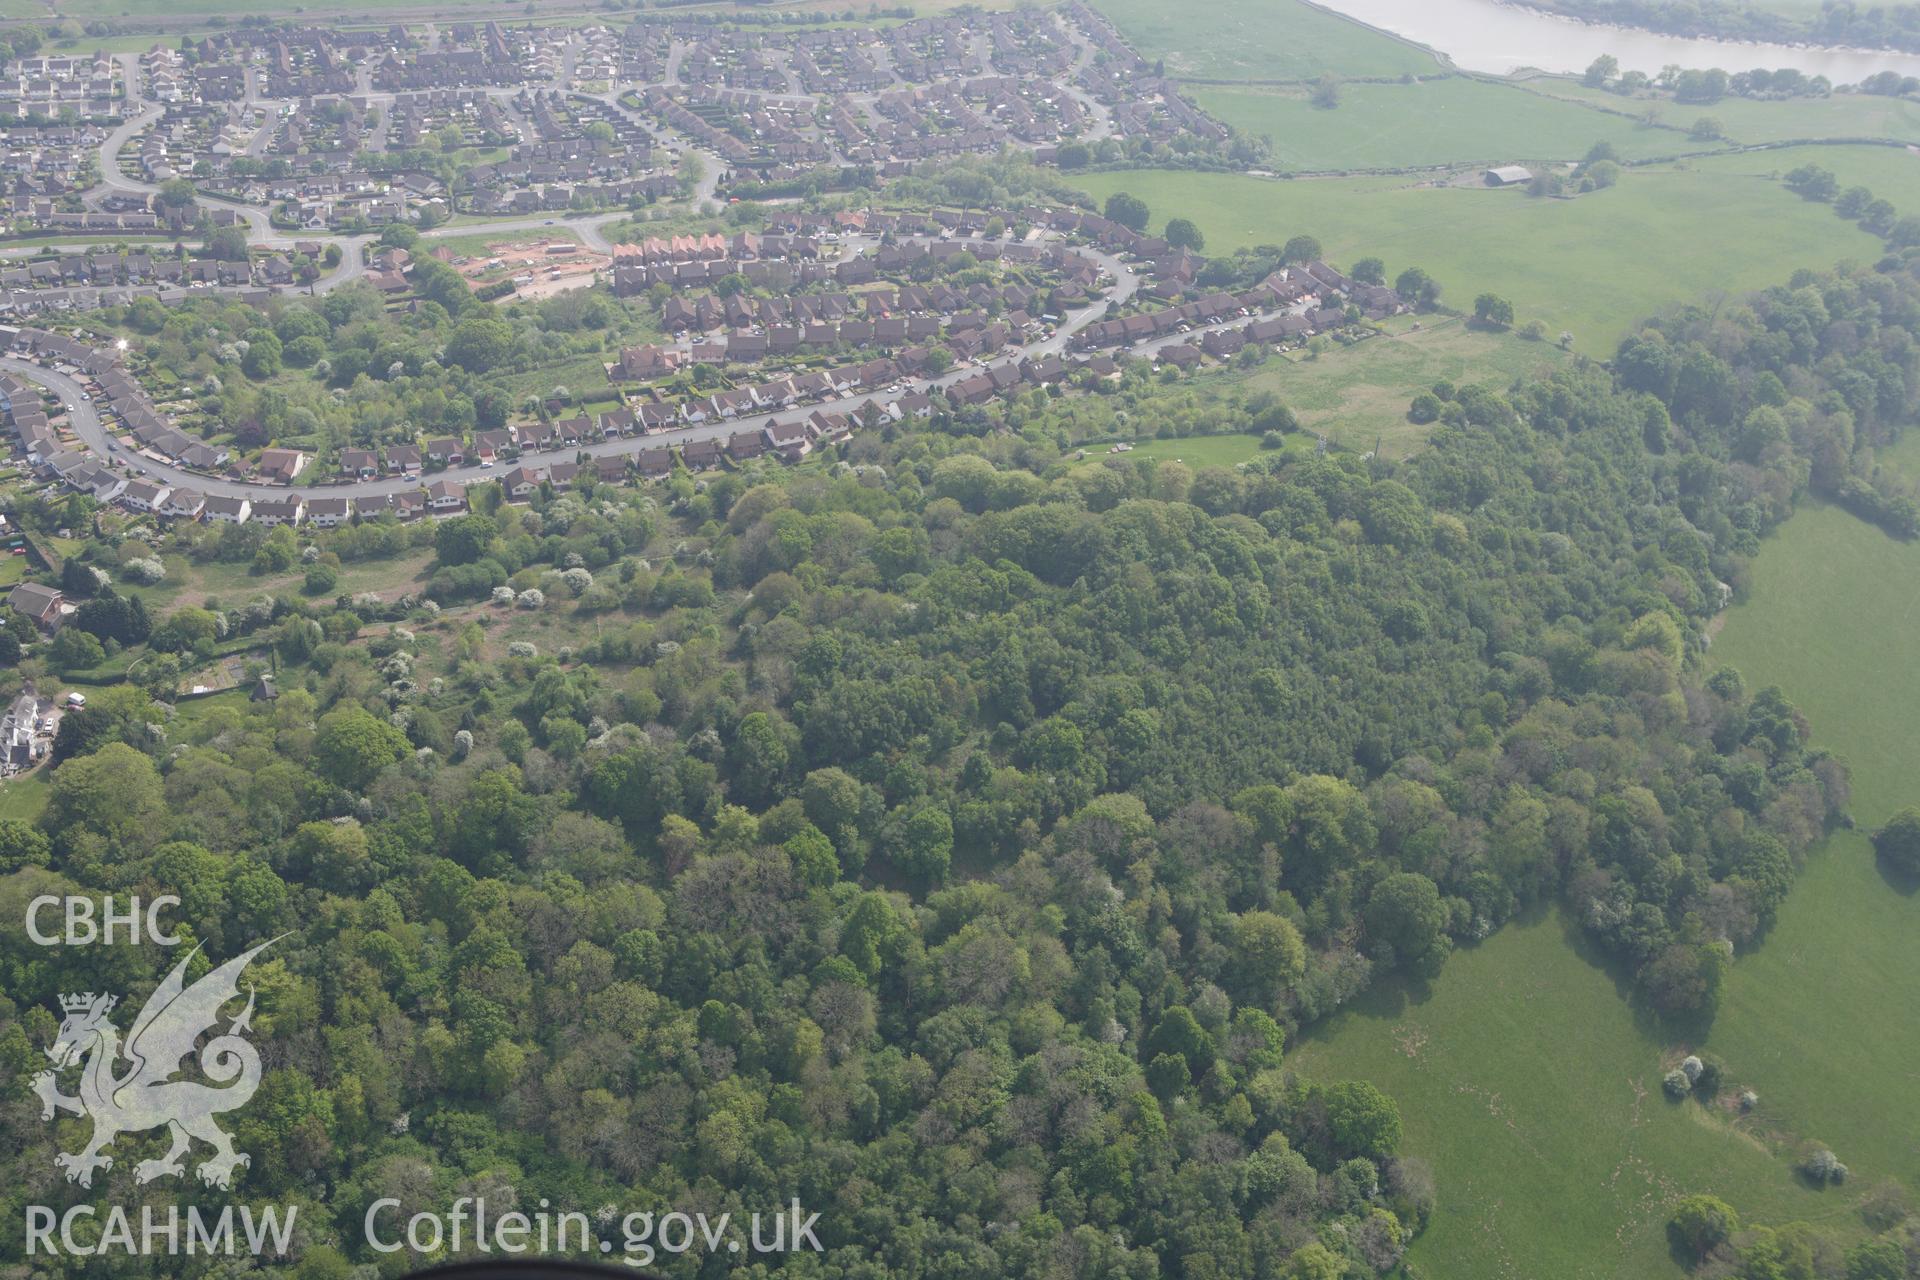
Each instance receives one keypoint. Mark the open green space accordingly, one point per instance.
(1260, 40)
(1889, 172)
(1751, 120)
(1530, 1086)
(1454, 120)
(1830, 620)
(1357, 396)
(232, 583)
(1593, 266)
(1195, 451)
(1799, 1015)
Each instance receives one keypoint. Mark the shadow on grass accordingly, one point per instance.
(1902, 880)
(1660, 1028)
(1388, 997)
(1391, 995)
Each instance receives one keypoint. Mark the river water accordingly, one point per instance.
(1482, 35)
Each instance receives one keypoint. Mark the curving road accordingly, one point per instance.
(86, 423)
(588, 229)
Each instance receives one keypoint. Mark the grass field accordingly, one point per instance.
(1194, 451)
(1526, 1081)
(1260, 40)
(1747, 120)
(1831, 621)
(1449, 121)
(1594, 266)
(1887, 171)
(1357, 396)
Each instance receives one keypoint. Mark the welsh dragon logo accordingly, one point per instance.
(145, 1096)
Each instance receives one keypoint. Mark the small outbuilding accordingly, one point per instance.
(1508, 175)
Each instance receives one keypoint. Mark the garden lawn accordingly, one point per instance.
(1594, 266)
(1524, 1078)
(1455, 120)
(24, 797)
(1260, 40)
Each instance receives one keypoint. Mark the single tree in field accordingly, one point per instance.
(1699, 1225)
(1600, 70)
(1417, 288)
(1899, 841)
(1326, 92)
(1492, 310)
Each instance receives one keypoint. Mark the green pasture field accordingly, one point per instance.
(1833, 605)
(1531, 1087)
(1593, 266)
(1456, 120)
(1750, 120)
(1260, 40)
(1830, 620)
(1357, 396)
(1890, 172)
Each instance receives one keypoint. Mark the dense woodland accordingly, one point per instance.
(952, 837)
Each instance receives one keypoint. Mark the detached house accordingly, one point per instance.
(45, 605)
(445, 495)
(281, 465)
(329, 513)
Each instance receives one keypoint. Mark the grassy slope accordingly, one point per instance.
(1593, 266)
(1260, 40)
(1451, 121)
